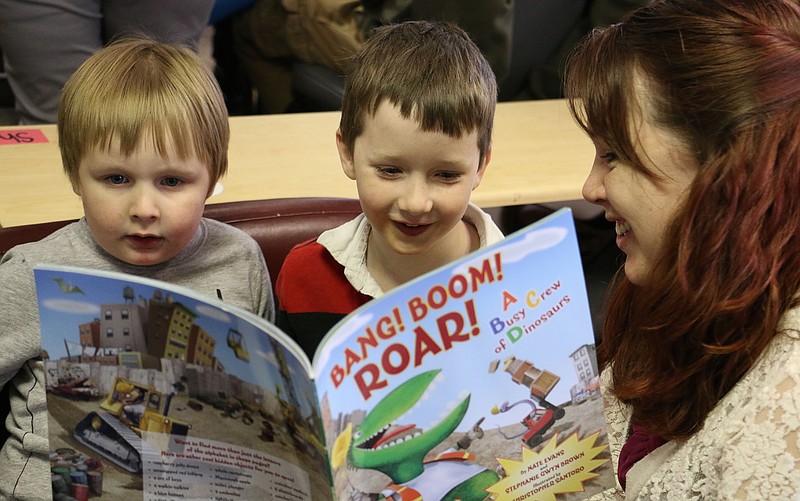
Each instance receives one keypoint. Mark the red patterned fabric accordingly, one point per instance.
(638, 445)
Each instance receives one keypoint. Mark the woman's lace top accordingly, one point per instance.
(749, 445)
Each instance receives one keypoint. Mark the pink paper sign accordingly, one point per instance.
(22, 136)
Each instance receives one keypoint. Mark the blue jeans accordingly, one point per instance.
(44, 41)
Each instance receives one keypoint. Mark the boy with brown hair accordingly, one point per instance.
(143, 132)
(416, 137)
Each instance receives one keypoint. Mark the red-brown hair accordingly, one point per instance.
(724, 78)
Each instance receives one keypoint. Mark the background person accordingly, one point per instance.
(272, 33)
(44, 41)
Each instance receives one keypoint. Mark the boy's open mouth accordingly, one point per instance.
(412, 230)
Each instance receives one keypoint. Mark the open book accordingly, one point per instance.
(475, 381)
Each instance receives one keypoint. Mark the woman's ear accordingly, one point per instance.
(345, 156)
(482, 167)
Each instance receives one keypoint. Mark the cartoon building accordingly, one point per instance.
(121, 327)
(584, 360)
(168, 328)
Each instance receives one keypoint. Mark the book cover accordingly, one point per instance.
(478, 379)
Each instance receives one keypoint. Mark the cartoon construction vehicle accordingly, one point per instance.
(79, 389)
(237, 408)
(236, 343)
(400, 450)
(130, 409)
(541, 414)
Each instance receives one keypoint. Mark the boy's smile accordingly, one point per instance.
(412, 230)
(144, 208)
(414, 188)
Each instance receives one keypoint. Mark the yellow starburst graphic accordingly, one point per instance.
(555, 469)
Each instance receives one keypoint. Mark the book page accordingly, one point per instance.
(477, 380)
(155, 392)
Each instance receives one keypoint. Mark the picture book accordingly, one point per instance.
(475, 381)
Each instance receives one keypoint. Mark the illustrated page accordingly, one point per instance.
(156, 393)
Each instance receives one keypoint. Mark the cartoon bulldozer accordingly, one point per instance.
(130, 409)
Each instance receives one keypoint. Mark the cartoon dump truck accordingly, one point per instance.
(129, 409)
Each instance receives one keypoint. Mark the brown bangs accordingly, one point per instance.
(600, 91)
(455, 95)
(139, 92)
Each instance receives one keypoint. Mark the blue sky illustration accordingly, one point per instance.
(61, 314)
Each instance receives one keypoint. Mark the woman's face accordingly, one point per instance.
(641, 201)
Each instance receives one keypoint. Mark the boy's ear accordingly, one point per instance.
(76, 188)
(345, 156)
(482, 167)
(212, 188)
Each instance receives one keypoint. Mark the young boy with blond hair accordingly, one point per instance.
(143, 132)
(416, 136)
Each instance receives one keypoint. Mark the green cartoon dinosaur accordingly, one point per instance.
(400, 451)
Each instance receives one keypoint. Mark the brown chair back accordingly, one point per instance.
(276, 224)
(280, 224)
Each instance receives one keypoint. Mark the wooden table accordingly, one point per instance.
(539, 156)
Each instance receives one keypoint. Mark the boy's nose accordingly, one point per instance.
(144, 205)
(416, 199)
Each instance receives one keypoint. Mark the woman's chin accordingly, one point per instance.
(634, 272)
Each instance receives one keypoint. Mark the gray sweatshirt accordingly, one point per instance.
(218, 257)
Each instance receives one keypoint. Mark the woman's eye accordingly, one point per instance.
(172, 182)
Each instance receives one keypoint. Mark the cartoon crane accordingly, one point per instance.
(539, 383)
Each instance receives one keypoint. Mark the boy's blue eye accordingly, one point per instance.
(116, 179)
(172, 181)
(450, 176)
(390, 171)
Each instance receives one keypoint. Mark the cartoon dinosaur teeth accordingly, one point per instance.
(396, 433)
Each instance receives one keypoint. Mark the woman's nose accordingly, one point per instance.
(594, 188)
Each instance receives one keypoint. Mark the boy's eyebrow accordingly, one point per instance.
(394, 157)
(439, 164)
(178, 166)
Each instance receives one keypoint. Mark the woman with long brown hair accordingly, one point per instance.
(694, 109)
